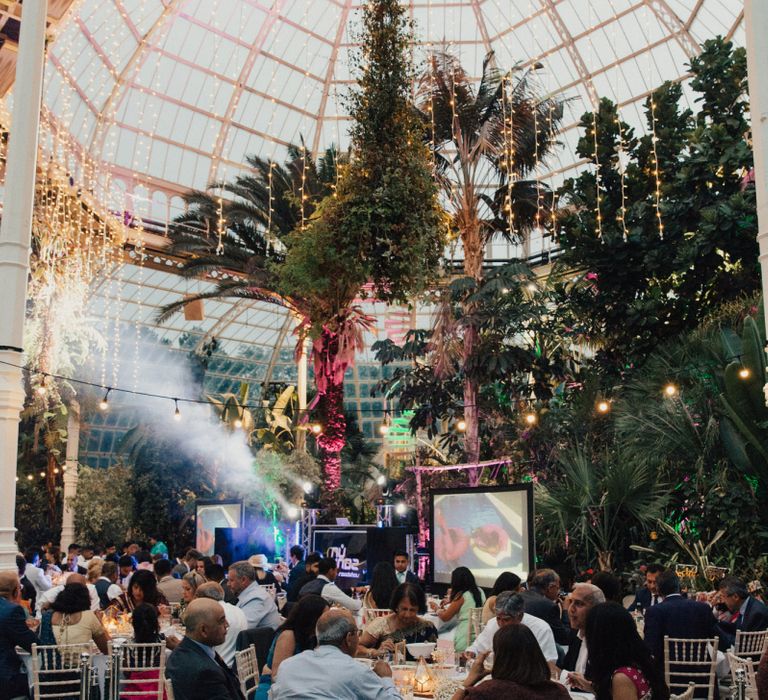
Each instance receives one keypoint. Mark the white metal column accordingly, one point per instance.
(70, 475)
(756, 25)
(15, 235)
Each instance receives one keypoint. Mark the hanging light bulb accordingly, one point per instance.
(317, 428)
(176, 413)
(603, 406)
(239, 420)
(531, 418)
(744, 373)
(670, 390)
(104, 403)
(42, 387)
(55, 470)
(461, 425)
(381, 480)
(384, 429)
(30, 477)
(42, 475)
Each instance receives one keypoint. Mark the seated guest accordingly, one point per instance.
(583, 597)
(34, 574)
(403, 624)
(216, 573)
(295, 635)
(506, 581)
(14, 632)
(744, 612)
(45, 599)
(126, 565)
(143, 589)
(256, 602)
(329, 672)
(542, 600)
(325, 586)
(311, 570)
(94, 571)
(106, 585)
(620, 665)
(189, 583)
(519, 670)
(188, 563)
(158, 546)
(263, 574)
(146, 630)
(170, 587)
(648, 595)
(236, 620)
(401, 560)
(609, 585)
(465, 595)
(72, 619)
(28, 592)
(383, 584)
(196, 671)
(510, 609)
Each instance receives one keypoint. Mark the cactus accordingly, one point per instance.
(744, 428)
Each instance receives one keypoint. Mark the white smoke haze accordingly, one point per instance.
(161, 370)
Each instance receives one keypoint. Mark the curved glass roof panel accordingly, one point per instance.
(176, 92)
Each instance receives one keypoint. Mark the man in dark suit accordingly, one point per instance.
(746, 613)
(13, 632)
(311, 570)
(196, 671)
(676, 617)
(542, 601)
(648, 595)
(403, 573)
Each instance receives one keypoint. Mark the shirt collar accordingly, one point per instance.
(743, 608)
(208, 650)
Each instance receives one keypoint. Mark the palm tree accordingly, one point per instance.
(485, 143)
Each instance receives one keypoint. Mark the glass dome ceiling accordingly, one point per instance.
(168, 95)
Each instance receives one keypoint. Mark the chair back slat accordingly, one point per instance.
(750, 644)
(475, 624)
(169, 689)
(247, 666)
(691, 661)
(370, 614)
(139, 669)
(57, 670)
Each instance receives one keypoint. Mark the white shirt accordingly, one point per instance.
(401, 576)
(335, 596)
(237, 623)
(114, 591)
(50, 595)
(581, 659)
(541, 630)
(327, 672)
(36, 576)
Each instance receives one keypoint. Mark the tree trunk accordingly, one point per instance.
(331, 442)
(473, 267)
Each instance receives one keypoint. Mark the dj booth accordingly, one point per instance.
(356, 548)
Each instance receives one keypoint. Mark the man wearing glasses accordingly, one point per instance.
(510, 611)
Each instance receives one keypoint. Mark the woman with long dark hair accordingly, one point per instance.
(620, 666)
(464, 595)
(73, 621)
(143, 589)
(519, 670)
(295, 635)
(383, 584)
(505, 581)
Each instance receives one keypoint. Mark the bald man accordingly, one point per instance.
(329, 672)
(45, 599)
(13, 632)
(195, 669)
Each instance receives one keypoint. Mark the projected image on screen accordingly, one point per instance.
(486, 531)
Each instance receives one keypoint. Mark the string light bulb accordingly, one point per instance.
(531, 418)
(317, 428)
(461, 426)
(603, 406)
(670, 390)
(104, 403)
(30, 477)
(176, 413)
(384, 429)
(744, 373)
(381, 480)
(42, 475)
(42, 388)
